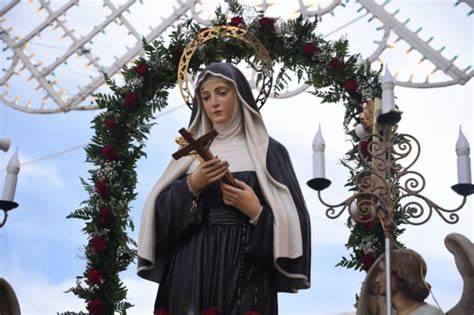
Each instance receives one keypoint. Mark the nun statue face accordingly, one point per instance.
(218, 99)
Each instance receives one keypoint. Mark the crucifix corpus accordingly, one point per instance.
(200, 147)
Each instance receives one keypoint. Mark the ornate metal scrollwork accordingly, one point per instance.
(402, 146)
(368, 205)
(410, 182)
(416, 214)
(380, 190)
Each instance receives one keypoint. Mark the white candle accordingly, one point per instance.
(388, 86)
(318, 155)
(463, 159)
(11, 178)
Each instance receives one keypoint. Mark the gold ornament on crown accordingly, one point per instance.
(225, 31)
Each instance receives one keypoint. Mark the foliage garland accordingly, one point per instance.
(122, 127)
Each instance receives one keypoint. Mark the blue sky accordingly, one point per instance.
(41, 251)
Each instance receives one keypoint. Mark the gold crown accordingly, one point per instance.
(225, 31)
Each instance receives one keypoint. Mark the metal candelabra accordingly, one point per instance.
(384, 186)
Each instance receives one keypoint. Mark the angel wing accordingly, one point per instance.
(463, 251)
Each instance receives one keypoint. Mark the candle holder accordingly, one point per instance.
(6, 206)
(463, 189)
(391, 118)
(319, 184)
(384, 186)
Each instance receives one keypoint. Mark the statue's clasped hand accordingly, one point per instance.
(243, 198)
(209, 172)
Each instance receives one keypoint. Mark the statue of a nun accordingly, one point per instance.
(212, 246)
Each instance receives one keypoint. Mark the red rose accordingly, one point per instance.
(94, 276)
(336, 64)
(211, 311)
(310, 49)
(102, 189)
(142, 69)
(105, 216)
(367, 261)
(369, 224)
(95, 307)
(110, 123)
(98, 244)
(109, 152)
(161, 311)
(131, 100)
(252, 312)
(351, 86)
(237, 21)
(364, 148)
(267, 23)
(178, 51)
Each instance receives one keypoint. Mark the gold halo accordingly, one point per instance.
(226, 31)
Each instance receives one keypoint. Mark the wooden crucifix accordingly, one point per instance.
(201, 147)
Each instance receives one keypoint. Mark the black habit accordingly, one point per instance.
(213, 257)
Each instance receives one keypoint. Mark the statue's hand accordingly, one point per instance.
(209, 172)
(243, 198)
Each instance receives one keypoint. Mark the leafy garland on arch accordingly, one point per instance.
(126, 117)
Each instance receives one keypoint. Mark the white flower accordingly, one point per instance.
(367, 244)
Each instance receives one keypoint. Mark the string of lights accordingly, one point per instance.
(57, 99)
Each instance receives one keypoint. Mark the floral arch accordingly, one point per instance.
(126, 117)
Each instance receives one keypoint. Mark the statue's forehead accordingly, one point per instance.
(210, 78)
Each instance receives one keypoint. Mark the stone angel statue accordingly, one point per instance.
(409, 288)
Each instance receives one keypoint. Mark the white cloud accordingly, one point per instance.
(34, 174)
